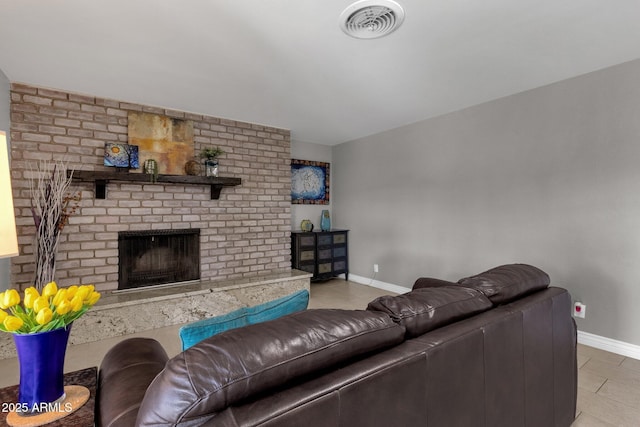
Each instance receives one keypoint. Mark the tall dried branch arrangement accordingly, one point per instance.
(51, 206)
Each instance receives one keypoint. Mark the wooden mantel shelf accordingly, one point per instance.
(102, 177)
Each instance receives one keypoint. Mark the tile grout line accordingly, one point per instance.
(602, 385)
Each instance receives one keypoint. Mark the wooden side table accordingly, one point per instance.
(83, 417)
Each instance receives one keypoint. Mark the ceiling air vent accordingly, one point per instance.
(370, 19)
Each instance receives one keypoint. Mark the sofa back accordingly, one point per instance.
(496, 349)
(517, 363)
(513, 365)
(228, 368)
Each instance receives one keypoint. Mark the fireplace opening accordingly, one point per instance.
(157, 257)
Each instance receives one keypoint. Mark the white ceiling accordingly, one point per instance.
(286, 63)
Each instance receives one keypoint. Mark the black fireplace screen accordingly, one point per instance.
(158, 257)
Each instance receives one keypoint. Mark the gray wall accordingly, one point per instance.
(318, 153)
(5, 121)
(549, 177)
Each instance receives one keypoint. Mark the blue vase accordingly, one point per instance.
(41, 358)
(325, 221)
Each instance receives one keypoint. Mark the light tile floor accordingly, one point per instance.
(608, 384)
(608, 389)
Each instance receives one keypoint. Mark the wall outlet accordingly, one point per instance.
(375, 268)
(579, 309)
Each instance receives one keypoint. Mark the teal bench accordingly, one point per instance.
(195, 332)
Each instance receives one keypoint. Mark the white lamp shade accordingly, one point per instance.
(8, 238)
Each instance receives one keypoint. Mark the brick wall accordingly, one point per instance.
(245, 232)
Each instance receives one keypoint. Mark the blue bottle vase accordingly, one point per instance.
(325, 221)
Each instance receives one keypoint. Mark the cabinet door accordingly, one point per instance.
(303, 252)
(307, 255)
(324, 240)
(324, 268)
(309, 268)
(339, 238)
(339, 251)
(339, 266)
(307, 241)
(324, 254)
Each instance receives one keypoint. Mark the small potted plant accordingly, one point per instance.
(210, 154)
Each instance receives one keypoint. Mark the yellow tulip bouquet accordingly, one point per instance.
(53, 309)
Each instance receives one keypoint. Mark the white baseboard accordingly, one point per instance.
(608, 344)
(378, 284)
(596, 341)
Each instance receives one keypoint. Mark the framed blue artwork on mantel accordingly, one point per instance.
(121, 155)
(309, 182)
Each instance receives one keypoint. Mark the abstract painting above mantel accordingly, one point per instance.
(167, 140)
(309, 182)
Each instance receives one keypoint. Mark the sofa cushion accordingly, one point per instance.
(424, 309)
(430, 282)
(508, 282)
(195, 332)
(234, 365)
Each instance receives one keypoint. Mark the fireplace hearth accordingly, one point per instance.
(157, 257)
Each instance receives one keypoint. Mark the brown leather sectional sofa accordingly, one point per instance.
(495, 349)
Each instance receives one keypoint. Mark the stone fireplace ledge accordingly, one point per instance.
(124, 313)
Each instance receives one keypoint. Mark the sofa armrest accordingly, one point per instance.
(125, 374)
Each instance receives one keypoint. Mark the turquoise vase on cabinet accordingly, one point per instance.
(325, 221)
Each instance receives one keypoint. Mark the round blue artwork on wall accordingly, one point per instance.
(309, 182)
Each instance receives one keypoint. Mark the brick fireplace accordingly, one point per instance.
(245, 232)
